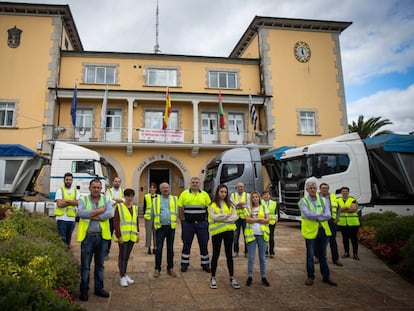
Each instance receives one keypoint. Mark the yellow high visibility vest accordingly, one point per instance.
(271, 205)
(240, 211)
(70, 209)
(348, 219)
(121, 193)
(84, 223)
(155, 209)
(249, 233)
(216, 227)
(309, 228)
(127, 223)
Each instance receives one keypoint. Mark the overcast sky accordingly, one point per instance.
(377, 49)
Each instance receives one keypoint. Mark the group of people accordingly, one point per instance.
(224, 217)
(322, 215)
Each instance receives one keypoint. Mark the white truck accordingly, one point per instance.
(30, 180)
(379, 172)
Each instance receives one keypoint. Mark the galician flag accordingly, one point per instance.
(104, 108)
(167, 112)
(221, 112)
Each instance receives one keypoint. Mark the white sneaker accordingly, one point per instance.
(129, 280)
(123, 282)
(234, 283)
(213, 283)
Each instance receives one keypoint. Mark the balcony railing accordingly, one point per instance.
(150, 136)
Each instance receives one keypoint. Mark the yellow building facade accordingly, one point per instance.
(289, 69)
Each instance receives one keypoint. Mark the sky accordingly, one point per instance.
(377, 50)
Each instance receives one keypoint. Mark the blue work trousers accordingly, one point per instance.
(189, 229)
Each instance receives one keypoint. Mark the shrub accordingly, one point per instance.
(24, 294)
(408, 255)
(399, 229)
(377, 219)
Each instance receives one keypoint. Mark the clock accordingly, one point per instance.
(302, 51)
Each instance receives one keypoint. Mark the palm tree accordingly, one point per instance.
(369, 127)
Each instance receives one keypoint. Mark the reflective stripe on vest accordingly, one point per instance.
(70, 209)
(271, 205)
(348, 219)
(157, 211)
(127, 223)
(249, 233)
(216, 227)
(84, 223)
(235, 197)
(309, 228)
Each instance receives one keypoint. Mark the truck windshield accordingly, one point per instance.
(87, 167)
(297, 168)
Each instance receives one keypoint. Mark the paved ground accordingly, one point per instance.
(362, 285)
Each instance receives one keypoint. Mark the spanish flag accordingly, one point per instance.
(221, 112)
(167, 110)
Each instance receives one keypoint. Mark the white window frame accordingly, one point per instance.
(6, 108)
(161, 76)
(93, 71)
(307, 121)
(154, 118)
(221, 79)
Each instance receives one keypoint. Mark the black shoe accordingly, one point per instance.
(184, 268)
(265, 282)
(84, 296)
(207, 269)
(249, 281)
(330, 282)
(356, 257)
(338, 263)
(345, 255)
(101, 293)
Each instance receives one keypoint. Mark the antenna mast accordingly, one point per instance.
(156, 46)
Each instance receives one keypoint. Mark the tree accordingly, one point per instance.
(369, 127)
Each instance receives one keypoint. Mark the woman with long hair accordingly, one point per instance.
(221, 218)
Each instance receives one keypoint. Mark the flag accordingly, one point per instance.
(253, 115)
(104, 107)
(74, 104)
(167, 110)
(221, 112)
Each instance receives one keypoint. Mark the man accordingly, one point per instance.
(331, 199)
(241, 200)
(66, 200)
(193, 205)
(116, 194)
(349, 222)
(94, 233)
(163, 213)
(272, 207)
(315, 213)
(149, 223)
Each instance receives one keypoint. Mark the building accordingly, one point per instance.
(289, 69)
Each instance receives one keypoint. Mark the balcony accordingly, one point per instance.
(182, 138)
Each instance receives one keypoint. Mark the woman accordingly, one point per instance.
(126, 233)
(221, 218)
(256, 233)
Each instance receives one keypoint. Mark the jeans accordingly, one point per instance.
(251, 247)
(93, 246)
(123, 256)
(318, 245)
(65, 229)
(240, 225)
(165, 232)
(332, 241)
(227, 237)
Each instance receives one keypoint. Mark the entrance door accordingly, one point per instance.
(209, 127)
(236, 127)
(113, 125)
(159, 175)
(83, 130)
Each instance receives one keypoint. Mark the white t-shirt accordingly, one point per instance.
(116, 194)
(59, 196)
(257, 230)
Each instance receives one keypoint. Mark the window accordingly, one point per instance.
(153, 120)
(87, 167)
(100, 74)
(307, 122)
(162, 77)
(231, 172)
(7, 114)
(328, 164)
(222, 79)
